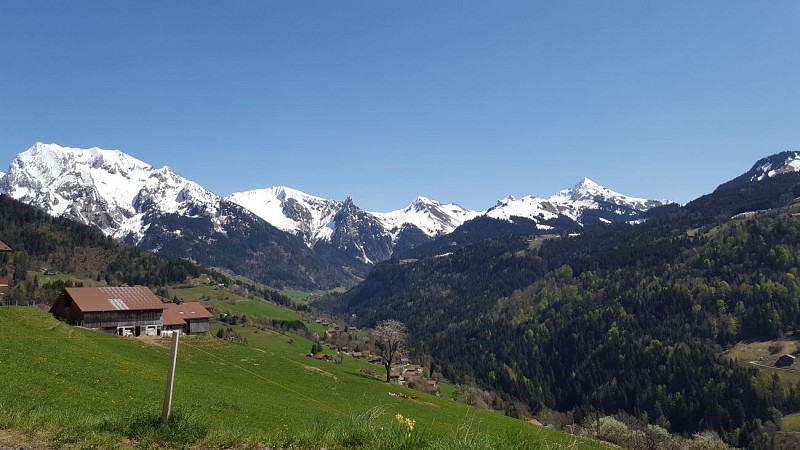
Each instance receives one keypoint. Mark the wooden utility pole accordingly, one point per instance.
(173, 358)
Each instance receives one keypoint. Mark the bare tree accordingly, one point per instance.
(390, 338)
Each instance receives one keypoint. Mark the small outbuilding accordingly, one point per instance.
(189, 318)
(432, 387)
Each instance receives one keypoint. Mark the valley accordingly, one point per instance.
(585, 327)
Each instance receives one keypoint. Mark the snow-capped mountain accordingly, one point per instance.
(783, 163)
(106, 188)
(779, 164)
(429, 216)
(159, 210)
(585, 203)
(529, 207)
(291, 210)
(315, 218)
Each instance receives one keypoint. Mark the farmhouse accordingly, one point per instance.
(432, 387)
(785, 360)
(121, 310)
(189, 318)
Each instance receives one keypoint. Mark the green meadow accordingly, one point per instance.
(226, 300)
(68, 387)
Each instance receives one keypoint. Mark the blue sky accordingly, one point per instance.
(459, 101)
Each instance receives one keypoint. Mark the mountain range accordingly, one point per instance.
(278, 235)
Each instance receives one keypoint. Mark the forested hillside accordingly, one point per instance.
(621, 318)
(41, 242)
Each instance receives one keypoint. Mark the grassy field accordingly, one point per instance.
(229, 301)
(762, 354)
(71, 387)
(791, 422)
(64, 277)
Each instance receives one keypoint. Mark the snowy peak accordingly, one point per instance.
(588, 190)
(528, 207)
(106, 188)
(588, 194)
(778, 164)
(317, 219)
(429, 216)
(585, 203)
(292, 211)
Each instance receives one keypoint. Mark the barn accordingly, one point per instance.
(121, 310)
(189, 318)
(4, 280)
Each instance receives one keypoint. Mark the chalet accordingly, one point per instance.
(188, 317)
(126, 311)
(432, 387)
(323, 357)
(785, 360)
(411, 376)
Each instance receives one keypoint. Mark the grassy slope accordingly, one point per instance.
(229, 301)
(81, 385)
(757, 353)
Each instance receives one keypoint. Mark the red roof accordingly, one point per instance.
(178, 314)
(114, 299)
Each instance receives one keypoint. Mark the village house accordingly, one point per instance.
(323, 357)
(411, 376)
(127, 311)
(785, 360)
(188, 317)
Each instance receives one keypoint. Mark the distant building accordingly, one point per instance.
(188, 317)
(128, 311)
(4, 282)
(432, 387)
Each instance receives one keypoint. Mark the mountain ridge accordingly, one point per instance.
(161, 211)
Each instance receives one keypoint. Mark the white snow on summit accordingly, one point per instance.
(313, 217)
(589, 192)
(768, 169)
(571, 203)
(529, 207)
(430, 216)
(291, 210)
(103, 187)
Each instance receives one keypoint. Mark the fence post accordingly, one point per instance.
(173, 358)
